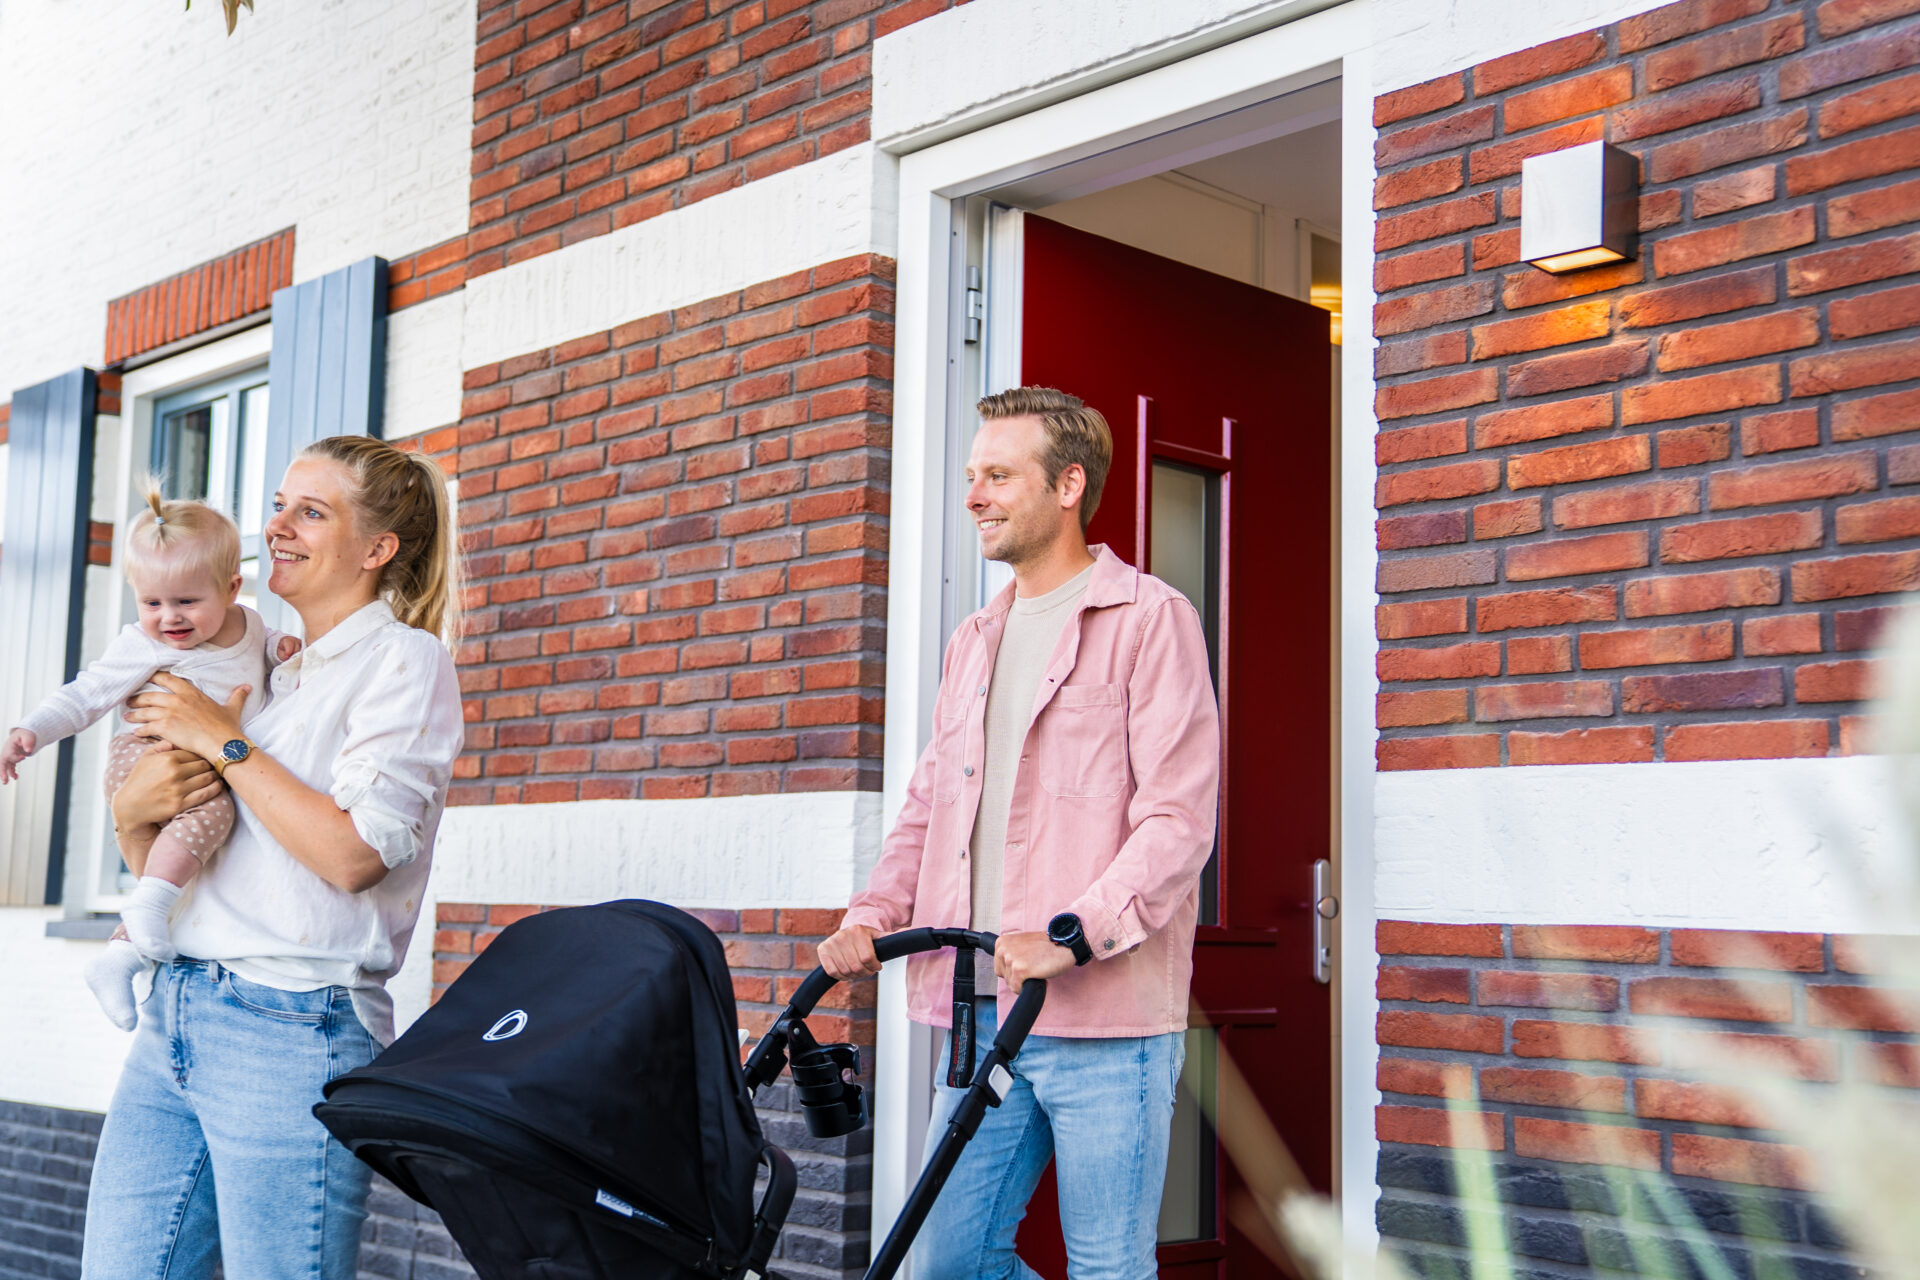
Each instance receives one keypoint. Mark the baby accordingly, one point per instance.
(183, 561)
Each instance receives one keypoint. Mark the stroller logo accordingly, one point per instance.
(508, 1027)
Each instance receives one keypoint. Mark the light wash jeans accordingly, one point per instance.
(210, 1149)
(1104, 1109)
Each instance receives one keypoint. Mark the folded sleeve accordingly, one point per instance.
(403, 733)
(106, 683)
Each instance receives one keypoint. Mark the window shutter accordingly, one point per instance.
(326, 375)
(43, 565)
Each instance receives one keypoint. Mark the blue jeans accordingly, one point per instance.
(210, 1149)
(1104, 1108)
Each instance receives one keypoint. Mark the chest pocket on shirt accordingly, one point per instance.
(1083, 741)
(949, 746)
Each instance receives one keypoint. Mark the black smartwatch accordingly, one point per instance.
(1064, 931)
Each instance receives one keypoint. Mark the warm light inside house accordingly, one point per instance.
(1323, 283)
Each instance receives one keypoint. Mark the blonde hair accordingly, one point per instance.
(1075, 436)
(181, 533)
(405, 494)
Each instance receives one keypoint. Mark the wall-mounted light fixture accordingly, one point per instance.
(1579, 207)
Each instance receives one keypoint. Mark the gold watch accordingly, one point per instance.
(233, 751)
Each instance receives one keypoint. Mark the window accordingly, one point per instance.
(210, 444)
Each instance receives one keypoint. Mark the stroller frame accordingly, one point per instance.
(988, 1088)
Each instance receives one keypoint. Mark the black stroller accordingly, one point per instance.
(601, 1127)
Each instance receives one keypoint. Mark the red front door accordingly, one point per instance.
(1219, 396)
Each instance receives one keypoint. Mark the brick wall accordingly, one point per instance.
(770, 952)
(46, 1158)
(1561, 1052)
(1655, 510)
(676, 535)
(596, 115)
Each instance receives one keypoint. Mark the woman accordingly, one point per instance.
(289, 936)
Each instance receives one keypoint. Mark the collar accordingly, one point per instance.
(349, 631)
(1114, 581)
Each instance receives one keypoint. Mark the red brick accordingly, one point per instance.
(1666, 112)
(1777, 432)
(1573, 463)
(1470, 1033)
(1437, 395)
(1789, 633)
(1418, 100)
(1838, 64)
(1531, 287)
(1751, 536)
(1877, 416)
(1594, 91)
(1740, 339)
(1586, 1143)
(1416, 938)
(1865, 575)
(1421, 182)
(1542, 700)
(1611, 745)
(1420, 618)
(1427, 985)
(1672, 21)
(1451, 751)
(1735, 191)
(1423, 1078)
(1441, 1127)
(1852, 161)
(1704, 642)
(1853, 367)
(1881, 521)
(1873, 105)
(1612, 944)
(1897, 1065)
(1533, 990)
(1434, 306)
(1873, 313)
(1764, 1164)
(1854, 681)
(1576, 323)
(1748, 238)
(1427, 529)
(1569, 557)
(1413, 141)
(1747, 740)
(1565, 1090)
(1539, 62)
(1418, 267)
(1705, 393)
(1744, 1000)
(1496, 249)
(1652, 500)
(1583, 1042)
(1542, 421)
(1413, 444)
(1503, 159)
(1735, 949)
(1449, 662)
(1695, 1103)
(1714, 295)
(1420, 707)
(1549, 608)
(1701, 592)
(1691, 446)
(1857, 629)
(1703, 691)
(1857, 264)
(1742, 46)
(1703, 152)
(1840, 17)
(1506, 519)
(1874, 209)
(1427, 484)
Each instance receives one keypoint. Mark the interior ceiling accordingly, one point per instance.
(1299, 172)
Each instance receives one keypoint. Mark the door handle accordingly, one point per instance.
(1325, 908)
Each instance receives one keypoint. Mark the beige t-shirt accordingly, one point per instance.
(1033, 629)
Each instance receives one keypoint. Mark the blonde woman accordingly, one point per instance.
(285, 942)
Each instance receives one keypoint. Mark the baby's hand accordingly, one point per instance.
(20, 744)
(289, 645)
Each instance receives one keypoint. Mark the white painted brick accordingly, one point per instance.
(423, 366)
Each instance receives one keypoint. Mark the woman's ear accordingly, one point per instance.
(382, 550)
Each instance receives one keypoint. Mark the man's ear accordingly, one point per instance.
(382, 550)
(1071, 484)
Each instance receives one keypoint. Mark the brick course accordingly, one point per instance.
(1565, 1052)
(1710, 433)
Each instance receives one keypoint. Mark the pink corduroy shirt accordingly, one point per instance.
(1114, 804)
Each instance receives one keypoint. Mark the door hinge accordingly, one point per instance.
(976, 305)
(1325, 908)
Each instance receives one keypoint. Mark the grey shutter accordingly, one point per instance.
(326, 376)
(43, 566)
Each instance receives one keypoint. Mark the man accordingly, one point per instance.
(1067, 803)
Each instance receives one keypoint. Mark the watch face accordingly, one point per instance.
(235, 751)
(1061, 929)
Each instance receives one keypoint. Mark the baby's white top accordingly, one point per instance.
(129, 665)
(370, 714)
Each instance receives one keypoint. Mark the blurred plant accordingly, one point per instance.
(232, 10)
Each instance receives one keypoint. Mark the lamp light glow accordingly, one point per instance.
(1579, 207)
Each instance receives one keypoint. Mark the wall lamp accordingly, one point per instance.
(1579, 207)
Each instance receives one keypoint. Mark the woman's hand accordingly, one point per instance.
(162, 785)
(186, 717)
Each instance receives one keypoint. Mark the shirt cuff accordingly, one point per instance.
(1107, 933)
(865, 917)
(385, 832)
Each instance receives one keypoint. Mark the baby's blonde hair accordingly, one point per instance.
(181, 534)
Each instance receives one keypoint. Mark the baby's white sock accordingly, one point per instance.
(145, 917)
(110, 977)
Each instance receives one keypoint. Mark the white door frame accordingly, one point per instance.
(1207, 84)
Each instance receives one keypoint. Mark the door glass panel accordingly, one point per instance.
(183, 450)
(250, 503)
(1187, 1205)
(1183, 550)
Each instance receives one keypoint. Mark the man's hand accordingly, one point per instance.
(19, 745)
(1019, 956)
(849, 953)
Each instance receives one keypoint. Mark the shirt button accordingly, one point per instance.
(1108, 945)
(983, 691)
(968, 771)
(963, 851)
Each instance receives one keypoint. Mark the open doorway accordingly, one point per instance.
(1190, 289)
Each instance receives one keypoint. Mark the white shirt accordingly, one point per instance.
(129, 665)
(369, 713)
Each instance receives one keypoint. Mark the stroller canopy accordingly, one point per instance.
(574, 1104)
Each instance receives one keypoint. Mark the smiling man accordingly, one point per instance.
(1067, 803)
